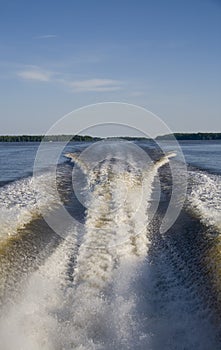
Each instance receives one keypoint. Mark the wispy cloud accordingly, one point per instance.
(99, 85)
(35, 74)
(46, 36)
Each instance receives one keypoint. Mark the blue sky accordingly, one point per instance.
(57, 56)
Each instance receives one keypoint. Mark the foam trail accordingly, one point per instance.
(35, 318)
(115, 244)
(139, 197)
(131, 256)
(91, 305)
(23, 200)
(204, 198)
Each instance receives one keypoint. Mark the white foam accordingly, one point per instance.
(97, 310)
(23, 200)
(204, 198)
(33, 321)
(115, 244)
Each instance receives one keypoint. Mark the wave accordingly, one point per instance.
(100, 289)
(114, 246)
(66, 302)
(23, 200)
(204, 198)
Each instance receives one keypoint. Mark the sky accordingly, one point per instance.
(56, 56)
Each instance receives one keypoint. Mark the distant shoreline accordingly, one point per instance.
(191, 136)
(87, 138)
(47, 138)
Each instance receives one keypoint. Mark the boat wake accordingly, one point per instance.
(204, 198)
(112, 282)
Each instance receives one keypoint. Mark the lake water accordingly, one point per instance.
(84, 262)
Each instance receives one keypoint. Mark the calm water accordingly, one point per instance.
(203, 154)
(17, 159)
(109, 278)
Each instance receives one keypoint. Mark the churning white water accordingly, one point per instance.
(99, 288)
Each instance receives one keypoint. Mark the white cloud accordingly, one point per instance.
(99, 85)
(35, 74)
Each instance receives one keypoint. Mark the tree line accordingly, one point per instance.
(47, 138)
(87, 138)
(191, 136)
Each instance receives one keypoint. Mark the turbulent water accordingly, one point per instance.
(110, 278)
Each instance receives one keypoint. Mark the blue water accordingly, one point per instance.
(17, 158)
(153, 291)
(201, 154)
(204, 154)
